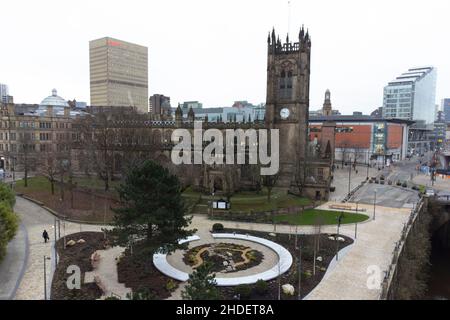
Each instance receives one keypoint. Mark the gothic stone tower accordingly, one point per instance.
(287, 102)
(327, 110)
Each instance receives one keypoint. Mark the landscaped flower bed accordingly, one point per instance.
(309, 280)
(80, 255)
(224, 257)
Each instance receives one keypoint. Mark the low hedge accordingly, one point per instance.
(9, 221)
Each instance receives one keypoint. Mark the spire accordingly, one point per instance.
(287, 38)
(273, 35)
(268, 38)
(179, 111)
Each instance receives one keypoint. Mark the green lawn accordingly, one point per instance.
(34, 184)
(40, 183)
(261, 204)
(252, 201)
(309, 217)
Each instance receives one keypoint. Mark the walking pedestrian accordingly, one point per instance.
(45, 236)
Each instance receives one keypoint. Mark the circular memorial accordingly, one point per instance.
(230, 254)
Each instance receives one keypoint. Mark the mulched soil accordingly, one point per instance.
(87, 205)
(78, 255)
(308, 282)
(138, 273)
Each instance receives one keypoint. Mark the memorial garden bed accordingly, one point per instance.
(309, 281)
(78, 255)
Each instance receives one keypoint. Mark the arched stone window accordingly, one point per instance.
(285, 87)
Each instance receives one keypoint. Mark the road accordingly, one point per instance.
(393, 196)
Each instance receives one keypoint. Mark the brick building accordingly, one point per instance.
(365, 139)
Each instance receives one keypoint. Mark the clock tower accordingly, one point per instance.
(287, 101)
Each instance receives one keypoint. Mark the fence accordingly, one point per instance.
(390, 273)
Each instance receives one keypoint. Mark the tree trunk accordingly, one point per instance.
(52, 184)
(106, 183)
(149, 231)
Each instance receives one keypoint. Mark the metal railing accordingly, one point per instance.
(399, 245)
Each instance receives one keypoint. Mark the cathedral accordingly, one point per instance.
(103, 139)
(304, 166)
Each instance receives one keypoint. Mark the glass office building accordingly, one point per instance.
(412, 96)
(446, 109)
(3, 93)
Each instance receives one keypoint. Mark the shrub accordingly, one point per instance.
(404, 185)
(261, 287)
(307, 274)
(6, 194)
(217, 227)
(142, 294)
(399, 183)
(9, 222)
(244, 291)
(171, 285)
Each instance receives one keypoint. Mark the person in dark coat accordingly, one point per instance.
(45, 236)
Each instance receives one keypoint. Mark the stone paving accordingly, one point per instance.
(347, 280)
(340, 180)
(13, 265)
(106, 271)
(35, 220)
(373, 246)
(441, 184)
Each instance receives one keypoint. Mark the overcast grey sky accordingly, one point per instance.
(215, 51)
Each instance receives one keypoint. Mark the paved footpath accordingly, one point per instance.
(347, 279)
(35, 219)
(373, 246)
(13, 265)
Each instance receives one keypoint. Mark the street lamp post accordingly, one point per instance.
(299, 272)
(45, 276)
(279, 279)
(212, 206)
(349, 175)
(368, 166)
(374, 204)
(56, 259)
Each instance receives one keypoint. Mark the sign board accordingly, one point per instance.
(221, 205)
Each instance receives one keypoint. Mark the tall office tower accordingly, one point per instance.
(159, 105)
(4, 93)
(445, 107)
(119, 74)
(411, 96)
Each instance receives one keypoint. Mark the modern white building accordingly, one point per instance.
(412, 96)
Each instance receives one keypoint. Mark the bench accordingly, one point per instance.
(340, 207)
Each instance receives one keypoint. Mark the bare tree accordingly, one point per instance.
(49, 166)
(26, 155)
(270, 182)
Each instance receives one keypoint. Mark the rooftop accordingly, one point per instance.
(54, 100)
(357, 118)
